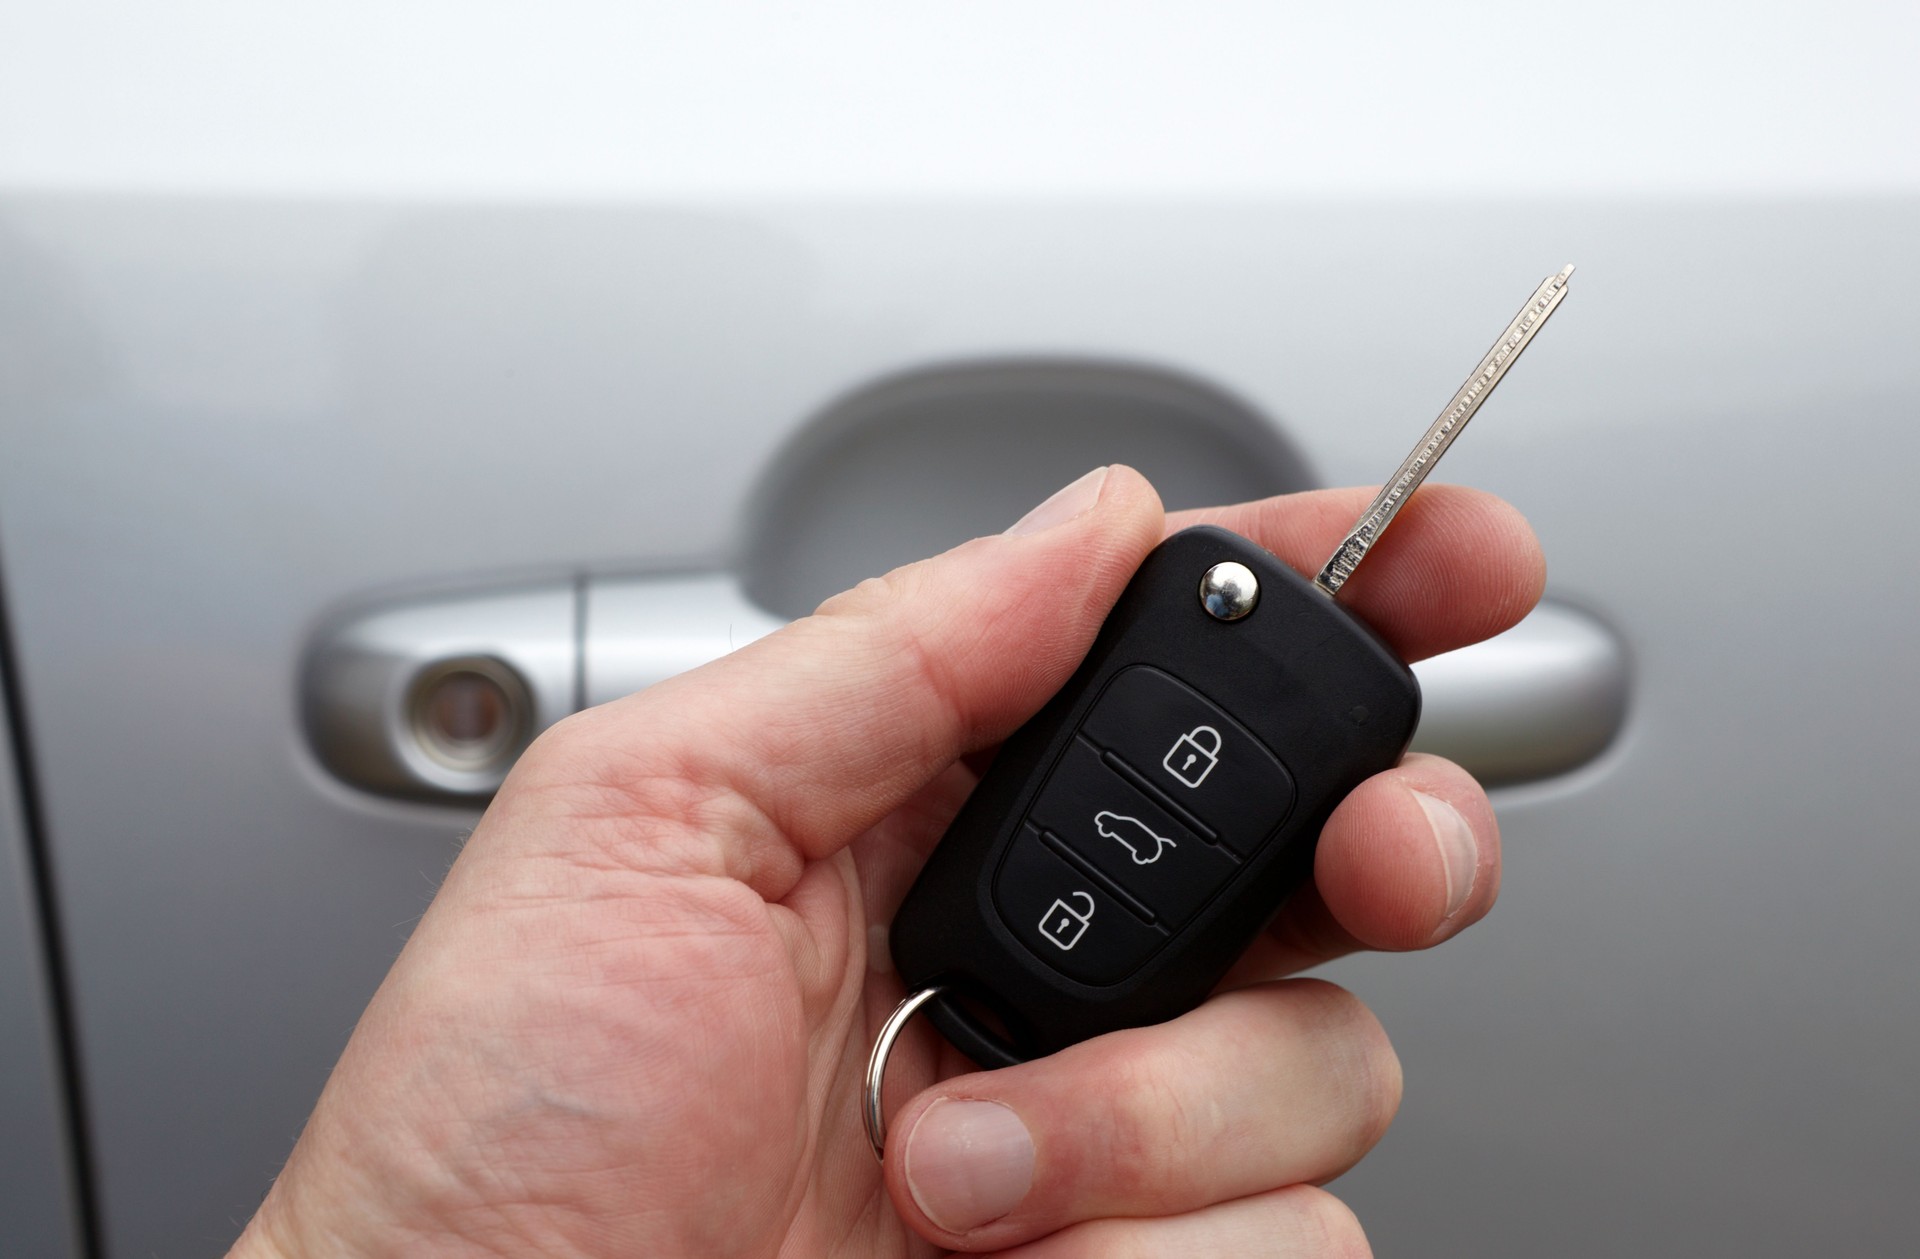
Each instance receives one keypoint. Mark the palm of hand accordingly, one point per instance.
(599, 946)
(568, 1064)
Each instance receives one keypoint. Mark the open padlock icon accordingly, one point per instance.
(1063, 923)
(1194, 755)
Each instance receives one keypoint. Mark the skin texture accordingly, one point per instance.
(634, 1019)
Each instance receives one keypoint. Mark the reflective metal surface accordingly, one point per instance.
(471, 713)
(641, 630)
(1229, 591)
(1413, 470)
(873, 1106)
(1544, 698)
(369, 680)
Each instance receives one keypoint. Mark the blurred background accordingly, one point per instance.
(379, 382)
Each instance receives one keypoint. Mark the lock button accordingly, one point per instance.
(1195, 758)
(1066, 919)
(1202, 761)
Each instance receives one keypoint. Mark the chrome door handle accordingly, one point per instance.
(1543, 698)
(642, 630)
(435, 699)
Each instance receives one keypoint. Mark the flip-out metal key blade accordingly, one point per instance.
(1131, 839)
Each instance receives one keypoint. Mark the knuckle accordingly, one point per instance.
(1153, 1138)
(1375, 1077)
(1366, 1068)
(873, 596)
(567, 759)
(562, 750)
(569, 733)
(1381, 1083)
(1376, 1099)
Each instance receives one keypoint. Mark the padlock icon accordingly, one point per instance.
(1063, 924)
(1190, 759)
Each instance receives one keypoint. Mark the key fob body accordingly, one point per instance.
(1128, 842)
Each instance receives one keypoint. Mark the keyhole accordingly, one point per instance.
(1189, 765)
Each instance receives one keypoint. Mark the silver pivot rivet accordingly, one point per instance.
(1229, 591)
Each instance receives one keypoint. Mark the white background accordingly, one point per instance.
(438, 98)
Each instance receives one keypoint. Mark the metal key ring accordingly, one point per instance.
(877, 1065)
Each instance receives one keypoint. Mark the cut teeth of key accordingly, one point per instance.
(1393, 495)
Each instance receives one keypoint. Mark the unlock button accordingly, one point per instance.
(1066, 919)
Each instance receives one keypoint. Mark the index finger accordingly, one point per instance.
(1458, 565)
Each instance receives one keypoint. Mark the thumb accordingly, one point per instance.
(809, 736)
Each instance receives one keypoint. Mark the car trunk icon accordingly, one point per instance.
(1134, 835)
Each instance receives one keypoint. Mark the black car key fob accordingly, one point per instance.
(1130, 840)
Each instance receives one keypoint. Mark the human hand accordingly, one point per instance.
(635, 1018)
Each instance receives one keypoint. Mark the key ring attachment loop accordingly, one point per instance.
(877, 1065)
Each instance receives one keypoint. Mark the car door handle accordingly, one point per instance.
(1544, 698)
(433, 699)
(640, 631)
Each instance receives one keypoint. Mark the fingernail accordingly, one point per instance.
(1064, 505)
(968, 1163)
(1459, 855)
